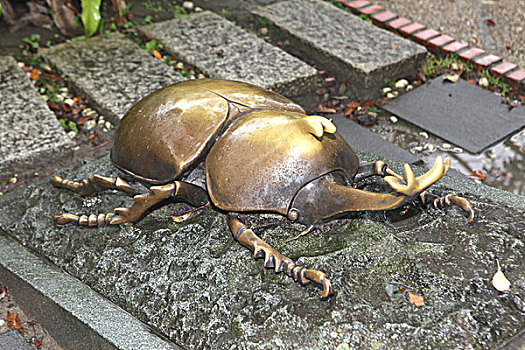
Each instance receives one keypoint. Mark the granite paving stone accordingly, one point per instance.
(222, 50)
(30, 135)
(13, 340)
(111, 71)
(461, 113)
(362, 139)
(343, 43)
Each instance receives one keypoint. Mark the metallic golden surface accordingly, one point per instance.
(450, 200)
(262, 153)
(273, 259)
(265, 157)
(172, 128)
(410, 186)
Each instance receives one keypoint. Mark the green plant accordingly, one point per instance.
(262, 22)
(90, 16)
(374, 109)
(365, 18)
(68, 125)
(178, 11)
(154, 6)
(391, 83)
(148, 20)
(29, 48)
(433, 64)
(496, 82)
(152, 45)
(339, 4)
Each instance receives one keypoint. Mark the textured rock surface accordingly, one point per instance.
(111, 70)
(30, 135)
(78, 317)
(223, 51)
(343, 43)
(194, 283)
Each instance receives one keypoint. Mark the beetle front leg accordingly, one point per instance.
(449, 200)
(273, 259)
(378, 168)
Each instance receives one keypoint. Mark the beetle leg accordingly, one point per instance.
(273, 259)
(194, 195)
(448, 200)
(374, 168)
(97, 183)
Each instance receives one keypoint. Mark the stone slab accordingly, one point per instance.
(193, 283)
(342, 43)
(111, 71)
(76, 316)
(13, 340)
(363, 139)
(222, 50)
(461, 113)
(30, 135)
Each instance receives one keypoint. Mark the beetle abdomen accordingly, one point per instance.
(170, 130)
(264, 157)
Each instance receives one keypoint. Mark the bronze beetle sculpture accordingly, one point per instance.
(261, 153)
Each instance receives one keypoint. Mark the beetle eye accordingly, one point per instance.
(293, 214)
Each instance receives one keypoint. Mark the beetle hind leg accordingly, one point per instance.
(273, 259)
(449, 200)
(190, 193)
(96, 183)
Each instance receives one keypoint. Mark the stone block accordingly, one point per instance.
(461, 113)
(75, 315)
(342, 43)
(194, 284)
(13, 340)
(222, 50)
(111, 71)
(30, 136)
(360, 138)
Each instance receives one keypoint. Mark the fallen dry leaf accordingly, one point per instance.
(490, 22)
(35, 73)
(183, 217)
(157, 54)
(37, 342)
(349, 111)
(476, 175)
(499, 281)
(451, 78)
(354, 104)
(13, 320)
(324, 109)
(415, 299)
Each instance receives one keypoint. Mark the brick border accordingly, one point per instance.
(437, 42)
